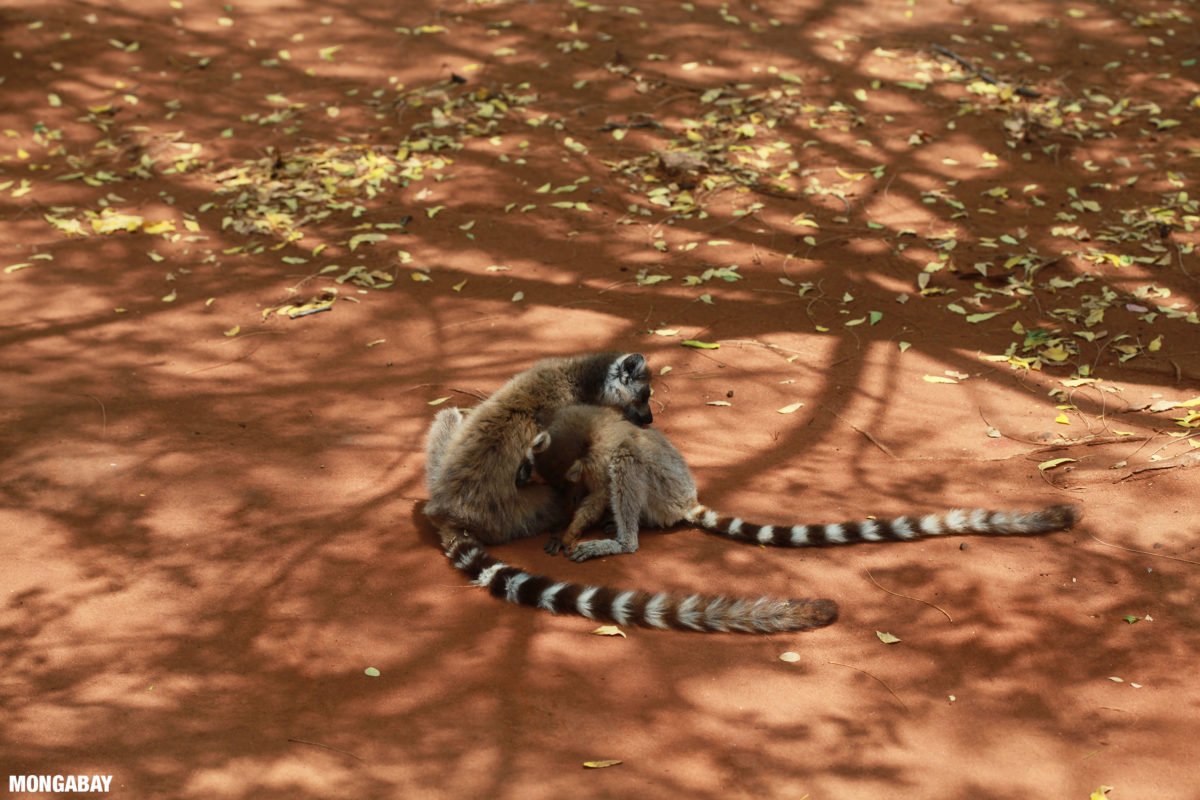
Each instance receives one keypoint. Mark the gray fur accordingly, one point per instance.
(640, 478)
(474, 460)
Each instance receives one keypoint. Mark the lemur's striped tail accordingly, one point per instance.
(693, 612)
(972, 520)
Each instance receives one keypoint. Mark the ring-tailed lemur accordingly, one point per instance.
(473, 461)
(664, 610)
(476, 463)
(643, 479)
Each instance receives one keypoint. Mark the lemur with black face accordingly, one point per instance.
(473, 460)
(477, 463)
(639, 477)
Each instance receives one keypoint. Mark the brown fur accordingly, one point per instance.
(642, 479)
(474, 459)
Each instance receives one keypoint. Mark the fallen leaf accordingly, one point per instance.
(700, 345)
(790, 409)
(372, 672)
(887, 638)
(600, 764)
(366, 238)
(937, 379)
(718, 403)
(609, 630)
(789, 657)
(1054, 462)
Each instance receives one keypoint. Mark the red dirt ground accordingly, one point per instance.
(212, 512)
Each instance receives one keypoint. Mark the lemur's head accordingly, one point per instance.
(627, 387)
(540, 444)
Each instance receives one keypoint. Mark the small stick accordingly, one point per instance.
(869, 675)
(982, 75)
(906, 597)
(326, 747)
(103, 415)
(1144, 552)
(869, 437)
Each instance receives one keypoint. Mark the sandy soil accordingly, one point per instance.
(960, 233)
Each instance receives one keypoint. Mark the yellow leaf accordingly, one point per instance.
(1062, 419)
(605, 630)
(1056, 353)
(17, 267)
(1101, 793)
(164, 226)
(1155, 345)
(420, 277)
(438, 401)
(234, 331)
(851, 176)
(600, 764)
(115, 221)
(790, 409)
(789, 657)
(170, 298)
(1054, 462)
(366, 238)
(937, 379)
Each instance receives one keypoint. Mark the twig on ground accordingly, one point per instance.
(869, 675)
(1144, 552)
(907, 597)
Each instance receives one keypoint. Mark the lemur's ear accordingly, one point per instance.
(540, 442)
(633, 367)
(575, 472)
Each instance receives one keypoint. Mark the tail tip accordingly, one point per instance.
(814, 612)
(1065, 516)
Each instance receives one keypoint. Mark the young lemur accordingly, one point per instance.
(473, 461)
(475, 467)
(640, 476)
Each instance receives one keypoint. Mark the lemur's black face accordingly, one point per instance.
(525, 472)
(628, 388)
(526, 468)
(639, 412)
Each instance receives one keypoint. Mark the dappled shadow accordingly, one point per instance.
(214, 511)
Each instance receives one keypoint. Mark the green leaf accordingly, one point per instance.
(366, 238)
(700, 345)
(973, 318)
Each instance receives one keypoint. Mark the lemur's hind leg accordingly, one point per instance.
(627, 497)
(588, 511)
